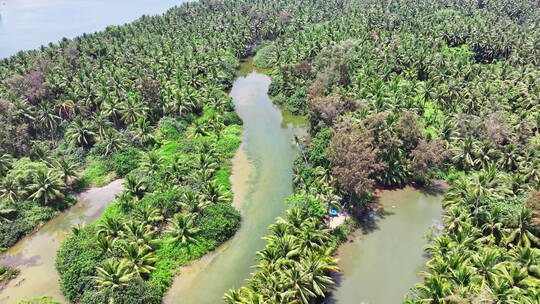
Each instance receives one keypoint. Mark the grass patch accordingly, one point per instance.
(97, 174)
(39, 300)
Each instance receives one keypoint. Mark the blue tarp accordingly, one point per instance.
(334, 212)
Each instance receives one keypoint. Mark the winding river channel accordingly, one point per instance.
(262, 179)
(35, 254)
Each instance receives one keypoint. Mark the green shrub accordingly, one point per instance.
(39, 300)
(29, 215)
(98, 173)
(170, 128)
(450, 174)
(317, 154)
(114, 210)
(505, 210)
(76, 261)
(232, 118)
(223, 175)
(24, 169)
(167, 201)
(341, 233)
(232, 130)
(126, 161)
(207, 115)
(173, 255)
(219, 222)
(169, 149)
(8, 273)
(227, 145)
(316, 207)
(297, 102)
(137, 291)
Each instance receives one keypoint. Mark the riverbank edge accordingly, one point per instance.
(72, 201)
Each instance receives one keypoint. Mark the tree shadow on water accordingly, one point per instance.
(434, 188)
(369, 216)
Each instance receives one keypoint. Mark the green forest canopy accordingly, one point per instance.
(396, 92)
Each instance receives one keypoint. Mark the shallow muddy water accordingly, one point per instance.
(35, 254)
(262, 179)
(382, 262)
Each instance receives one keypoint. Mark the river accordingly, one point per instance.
(35, 254)
(28, 24)
(382, 261)
(262, 179)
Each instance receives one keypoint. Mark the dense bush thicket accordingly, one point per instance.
(401, 92)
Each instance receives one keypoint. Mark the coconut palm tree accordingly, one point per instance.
(9, 189)
(464, 153)
(510, 158)
(311, 237)
(112, 108)
(434, 289)
(140, 259)
(198, 129)
(66, 168)
(519, 233)
(101, 123)
(105, 243)
(134, 186)
(76, 229)
(140, 234)
(113, 274)
(152, 161)
(80, 133)
(112, 141)
(6, 162)
(111, 227)
(318, 269)
(46, 118)
(6, 214)
(148, 214)
(132, 108)
(195, 206)
(46, 187)
(181, 229)
(143, 131)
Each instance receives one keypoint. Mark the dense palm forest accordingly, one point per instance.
(396, 92)
(144, 102)
(401, 92)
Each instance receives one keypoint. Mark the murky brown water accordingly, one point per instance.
(262, 179)
(382, 262)
(35, 254)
